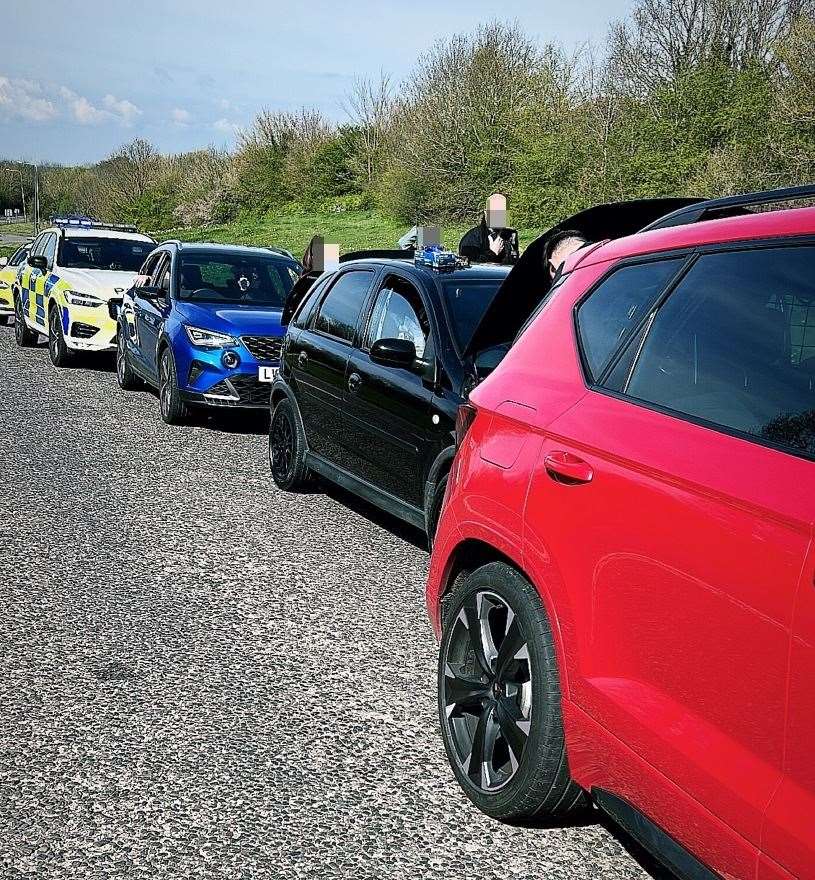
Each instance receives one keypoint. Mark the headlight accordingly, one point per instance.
(4, 285)
(208, 338)
(88, 300)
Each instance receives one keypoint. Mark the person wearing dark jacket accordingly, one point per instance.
(485, 244)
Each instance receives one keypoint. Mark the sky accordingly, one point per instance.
(79, 78)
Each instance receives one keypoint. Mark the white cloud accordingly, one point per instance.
(112, 110)
(123, 109)
(181, 116)
(20, 98)
(225, 126)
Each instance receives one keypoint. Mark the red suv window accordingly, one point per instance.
(733, 346)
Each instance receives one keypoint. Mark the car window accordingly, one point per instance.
(467, 300)
(38, 245)
(96, 252)
(305, 310)
(162, 278)
(18, 257)
(235, 277)
(734, 346)
(339, 311)
(615, 309)
(149, 265)
(399, 313)
(50, 248)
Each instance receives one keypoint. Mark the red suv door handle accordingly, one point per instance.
(568, 468)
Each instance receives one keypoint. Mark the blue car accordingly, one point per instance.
(201, 324)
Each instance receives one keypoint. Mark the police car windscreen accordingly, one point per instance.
(236, 278)
(467, 300)
(114, 254)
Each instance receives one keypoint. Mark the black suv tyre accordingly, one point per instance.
(61, 355)
(174, 409)
(127, 379)
(287, 448)
(500, 700)
(24, 337)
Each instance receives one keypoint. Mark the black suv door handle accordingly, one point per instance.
(302, 360)
(354, 381)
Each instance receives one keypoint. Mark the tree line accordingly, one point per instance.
(687, 97)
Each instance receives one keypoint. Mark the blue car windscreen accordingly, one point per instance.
(236, 279)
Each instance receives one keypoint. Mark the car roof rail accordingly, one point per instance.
(731, 206)
(378, 254)
(279, 250)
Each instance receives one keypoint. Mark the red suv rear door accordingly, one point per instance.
(684, 548)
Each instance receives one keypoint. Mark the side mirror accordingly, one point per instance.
(38, 262)
(394, 353)
(3, 262)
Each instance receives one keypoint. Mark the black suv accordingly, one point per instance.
(374, 366)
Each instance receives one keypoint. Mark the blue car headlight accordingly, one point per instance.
(208, 338)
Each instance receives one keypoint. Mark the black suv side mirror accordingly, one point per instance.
(394, 353)
(38, 261)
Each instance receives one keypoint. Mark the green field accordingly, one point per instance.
(352, 230)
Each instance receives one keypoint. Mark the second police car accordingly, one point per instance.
(9, 268)
(72, 282)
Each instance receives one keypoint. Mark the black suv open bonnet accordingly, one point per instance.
(528, 282)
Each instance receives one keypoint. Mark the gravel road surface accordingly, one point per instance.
(201, 676)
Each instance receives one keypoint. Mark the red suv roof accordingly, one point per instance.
(766, 224)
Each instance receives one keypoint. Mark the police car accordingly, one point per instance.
(9, 268)
(71, 285)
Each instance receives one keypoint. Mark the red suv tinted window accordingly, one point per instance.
(734, 346)
(616, 308)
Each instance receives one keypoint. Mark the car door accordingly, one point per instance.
(388, 408)
(319, 357)
(29, 283)
(131, 306)
(45, 280)
(150, 310)
(683, 506)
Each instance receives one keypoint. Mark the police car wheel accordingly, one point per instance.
(24, 337)
(173, 408)
(128, 380)
(60, 354)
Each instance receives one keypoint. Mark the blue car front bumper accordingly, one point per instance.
(229, 376)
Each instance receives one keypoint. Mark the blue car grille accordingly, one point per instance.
(263, 348)
(249, 391)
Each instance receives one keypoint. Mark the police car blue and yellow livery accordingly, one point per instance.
(72, 282)
(9, 269)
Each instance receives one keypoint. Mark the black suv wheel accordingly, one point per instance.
(499, 699)
(287, 448)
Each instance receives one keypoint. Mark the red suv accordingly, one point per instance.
(622, 579)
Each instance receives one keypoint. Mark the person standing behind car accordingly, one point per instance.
(560, 247)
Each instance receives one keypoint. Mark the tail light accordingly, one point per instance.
(464, 418)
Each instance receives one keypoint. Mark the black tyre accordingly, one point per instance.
(127, 379)
(61, 355)
(434, 512)
(287, 448)
(500, 701)
(174, 409)
(24, 337)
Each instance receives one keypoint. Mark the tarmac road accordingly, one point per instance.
(201, 676)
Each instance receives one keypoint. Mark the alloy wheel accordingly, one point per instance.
(487, 690)
(281, 446)
(121, 355)
(165, 390)
(19, 323)
(53, 339)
